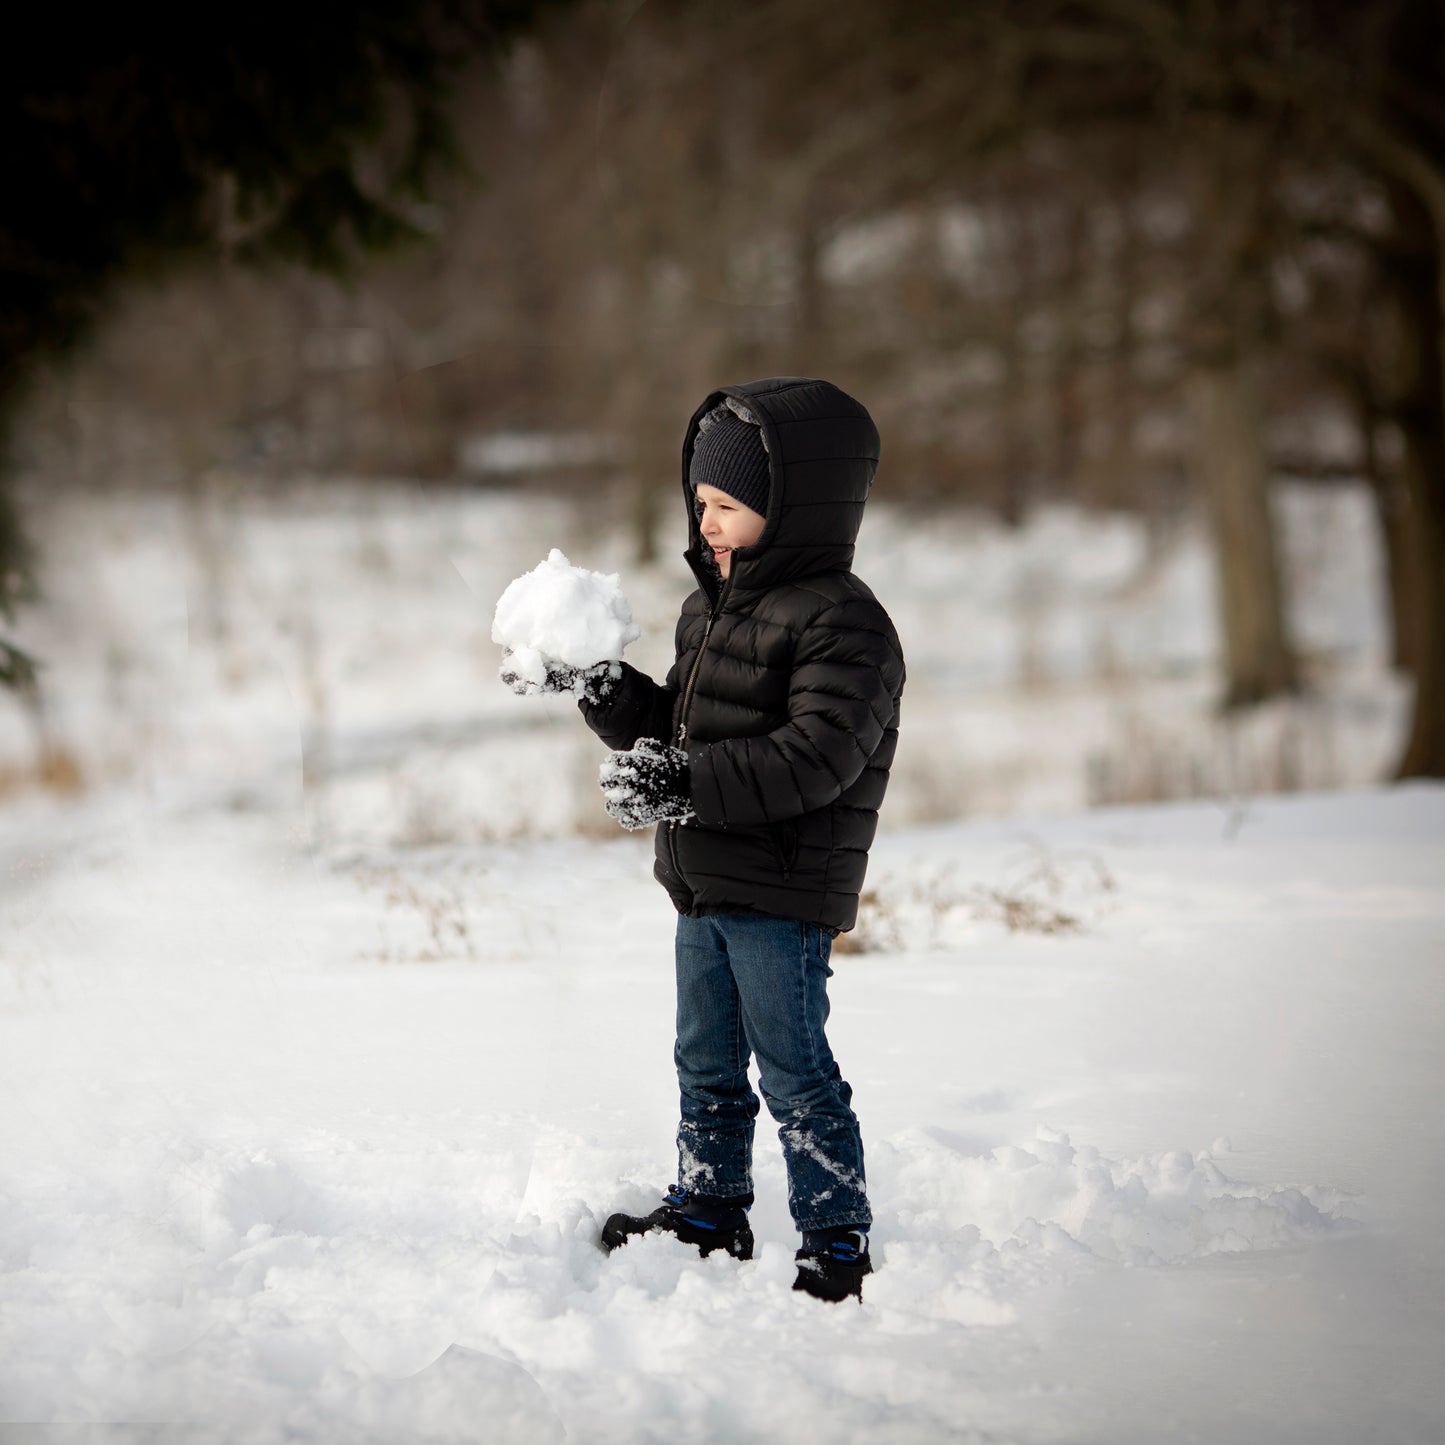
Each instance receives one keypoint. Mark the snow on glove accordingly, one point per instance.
(647, 785)
(596, 684)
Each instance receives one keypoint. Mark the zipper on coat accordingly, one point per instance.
(786, 848)
(682, 727)
(692, 678)
(672, 849)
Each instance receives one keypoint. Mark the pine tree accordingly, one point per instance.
(139, 137)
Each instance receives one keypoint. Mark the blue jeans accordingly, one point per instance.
(748, 984)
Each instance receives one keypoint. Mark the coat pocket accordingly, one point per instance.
(785, 845)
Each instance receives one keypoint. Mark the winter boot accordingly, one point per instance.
(707, 1223)
(832, 1263)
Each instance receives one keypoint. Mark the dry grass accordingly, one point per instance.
(57, 771)
(438, 907)
(1049, 893)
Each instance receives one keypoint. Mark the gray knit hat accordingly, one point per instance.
(729, 454)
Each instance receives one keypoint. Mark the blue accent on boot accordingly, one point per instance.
(705, 1213)
(832, 1263)
(708, 1223)
(848, 1242)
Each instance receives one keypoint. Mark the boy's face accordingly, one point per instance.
(726, 524)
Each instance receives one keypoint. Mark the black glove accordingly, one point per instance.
(597, 684)
(648, 785)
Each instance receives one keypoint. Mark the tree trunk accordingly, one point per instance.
(1414, 388)
(1392, 506)
(1016, 493)
(1068, 362)
(1392, 510)
(1425, 750)
(1233, 473)
(810, 316)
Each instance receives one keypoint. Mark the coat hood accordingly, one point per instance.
(822, 454)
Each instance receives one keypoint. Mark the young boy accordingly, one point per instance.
(763, 759)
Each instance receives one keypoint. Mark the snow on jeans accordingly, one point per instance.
(749, 984)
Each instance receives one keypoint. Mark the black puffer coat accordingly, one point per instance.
(786, 688)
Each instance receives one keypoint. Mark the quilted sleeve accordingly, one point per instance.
(847, 676)
(640, 708)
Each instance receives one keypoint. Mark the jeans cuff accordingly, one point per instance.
(743, 1199)
(857, 1220)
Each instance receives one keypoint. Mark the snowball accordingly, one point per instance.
(562, 613)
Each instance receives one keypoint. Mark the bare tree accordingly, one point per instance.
(954, 209)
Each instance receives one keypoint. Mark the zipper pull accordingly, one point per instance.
(682, 735)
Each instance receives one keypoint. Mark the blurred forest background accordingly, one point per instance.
(1149, 256)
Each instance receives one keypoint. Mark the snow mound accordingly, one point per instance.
(562, 613)
(1060, 1199)
(405, 1285)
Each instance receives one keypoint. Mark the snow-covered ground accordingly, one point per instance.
(1174, 1172)
(228, 651)
(334, 1014)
